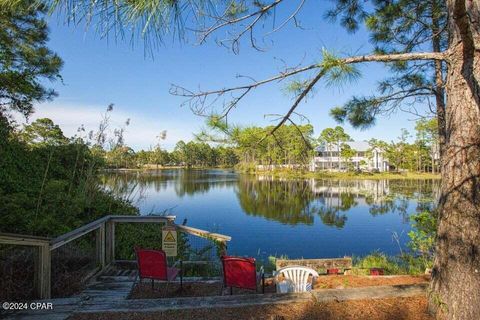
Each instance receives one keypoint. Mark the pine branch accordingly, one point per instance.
(198, 100)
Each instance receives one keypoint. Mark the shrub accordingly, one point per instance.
(390, 265)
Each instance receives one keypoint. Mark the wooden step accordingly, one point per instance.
(159, 305)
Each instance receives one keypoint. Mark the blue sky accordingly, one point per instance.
(98, 72)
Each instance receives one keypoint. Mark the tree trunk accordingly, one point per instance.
(455, 285)
(439, 82)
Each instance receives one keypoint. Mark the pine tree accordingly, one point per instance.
(25, 60)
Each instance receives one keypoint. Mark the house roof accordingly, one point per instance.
(356, 145)
(359, 145)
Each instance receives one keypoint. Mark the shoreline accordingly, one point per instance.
(299, 174)
(348, 175)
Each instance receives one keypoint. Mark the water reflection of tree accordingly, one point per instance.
(332, 217)
(401, 193)
(184, 182)
(334, 205)
(123, 186)
(287, 201)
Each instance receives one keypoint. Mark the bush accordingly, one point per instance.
(422, 237)
(390, 265)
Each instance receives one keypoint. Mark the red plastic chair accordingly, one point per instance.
(152, 264)
(241, 273)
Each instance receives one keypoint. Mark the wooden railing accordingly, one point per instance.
(42, 263)
(104, 246)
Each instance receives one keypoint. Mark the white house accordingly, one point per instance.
(328, 158)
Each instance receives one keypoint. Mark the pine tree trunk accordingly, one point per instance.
(439, 85)
(455, 287)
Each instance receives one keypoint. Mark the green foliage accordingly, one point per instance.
(190, 154)
(296, 87)
(338, 72)
(43, 131)
(334, 137)
(422, 236)
(360, 112)
(50, 189)
(199, 154)
(149, 20)
(289, 145)
(418, 156)
(399, 153)
(347, 153)
(398, 26)
(236, 8)
(379, 260)
(121, 157)
(269, 264)
(351, 13)
(25, 61)
(131, 235)
(285, 147)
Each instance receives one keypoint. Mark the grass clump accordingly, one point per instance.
(390, 265)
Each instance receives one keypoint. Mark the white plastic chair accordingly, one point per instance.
(295, 279)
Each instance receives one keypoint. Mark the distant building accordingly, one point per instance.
(366, 158)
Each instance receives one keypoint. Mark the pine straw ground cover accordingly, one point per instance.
(196, 289)
(411, 308)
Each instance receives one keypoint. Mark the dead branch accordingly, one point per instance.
(248, 23)
(221, 21)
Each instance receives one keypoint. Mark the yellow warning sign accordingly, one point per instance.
(169, 237)
(169, 241)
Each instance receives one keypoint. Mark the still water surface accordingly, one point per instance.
(311, 218)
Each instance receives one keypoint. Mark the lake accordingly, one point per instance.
(310, 218)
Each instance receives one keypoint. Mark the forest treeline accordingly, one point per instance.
(294, 146)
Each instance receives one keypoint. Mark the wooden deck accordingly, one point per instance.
(109, 292)
(112, 285)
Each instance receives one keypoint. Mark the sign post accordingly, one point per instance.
(169, 240)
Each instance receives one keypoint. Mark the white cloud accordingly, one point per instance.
(140, 134)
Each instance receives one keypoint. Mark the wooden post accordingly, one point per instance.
(100, 245)
(43, 270)
(170, 220)
(109, 242)
(223, 248)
